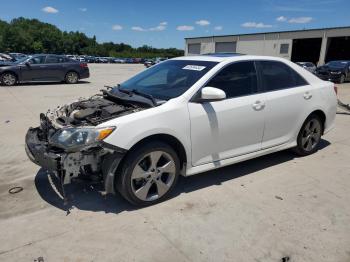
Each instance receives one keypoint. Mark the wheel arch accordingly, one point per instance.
(168, 139)
(321, 115)
(12, 72)
(72, 70)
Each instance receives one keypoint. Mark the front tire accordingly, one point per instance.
(309, 136)
(8, 79)
(148, 174)
(71, 77)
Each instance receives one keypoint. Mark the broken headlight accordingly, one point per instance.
(74, 139)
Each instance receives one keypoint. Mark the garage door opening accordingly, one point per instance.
(338, 48)
(306, 50)
(223, 47)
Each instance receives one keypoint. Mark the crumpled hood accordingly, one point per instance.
(92, 111)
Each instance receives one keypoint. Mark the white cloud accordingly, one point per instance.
(300, 20)
(117, 27)
(203, 22)
(138, 28)
(83, 9)
(218, 28)
(185, 28)
(281, 19)
(50, 10)
(255, 25)
(160, 27)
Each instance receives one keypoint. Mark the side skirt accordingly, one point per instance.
(229, 161)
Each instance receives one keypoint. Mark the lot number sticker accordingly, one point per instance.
(194, 67)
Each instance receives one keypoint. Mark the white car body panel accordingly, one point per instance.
(224, 132)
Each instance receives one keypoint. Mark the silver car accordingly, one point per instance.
(308, 66)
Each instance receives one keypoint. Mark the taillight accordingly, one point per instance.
(336, 90)
(83, 65)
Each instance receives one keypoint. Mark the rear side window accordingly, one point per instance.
(54, 59)
(238, 79)
(277, 75)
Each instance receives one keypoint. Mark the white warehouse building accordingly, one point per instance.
(314, 45)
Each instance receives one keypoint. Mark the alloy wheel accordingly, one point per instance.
(72, 77)
(311, 135)
(153, 175)
(8, 79)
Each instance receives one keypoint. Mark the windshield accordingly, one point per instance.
(22, 59)
(338, 63)
(168, 79)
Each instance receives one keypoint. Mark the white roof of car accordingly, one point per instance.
(221, 58)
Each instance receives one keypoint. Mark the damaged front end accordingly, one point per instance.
(69, 143)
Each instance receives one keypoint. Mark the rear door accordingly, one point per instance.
(288, 99)
(55, 66)
(231, 127)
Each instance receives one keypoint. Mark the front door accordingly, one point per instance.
(234, 126)
(35, 70)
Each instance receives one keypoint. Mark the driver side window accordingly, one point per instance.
(237, 79)
(37, 60)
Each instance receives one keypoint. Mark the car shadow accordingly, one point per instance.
(89, 196)
(80, 82)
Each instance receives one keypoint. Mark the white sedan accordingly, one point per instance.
(184, 116)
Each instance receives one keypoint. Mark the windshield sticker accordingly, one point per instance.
(194, 67)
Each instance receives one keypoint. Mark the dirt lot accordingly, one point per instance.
(261, 210)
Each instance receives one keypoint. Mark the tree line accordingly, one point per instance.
(31, 36)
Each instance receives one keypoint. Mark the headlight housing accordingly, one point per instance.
(75, 139)
(335, 72)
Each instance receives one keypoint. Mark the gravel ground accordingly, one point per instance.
(266, 209)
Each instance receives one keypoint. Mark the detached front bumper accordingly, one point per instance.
(38, 151)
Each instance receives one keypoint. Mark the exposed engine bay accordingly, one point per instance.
(92, 111)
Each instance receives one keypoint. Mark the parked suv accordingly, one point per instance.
(335, 71)
(43, 68)
(184, 116)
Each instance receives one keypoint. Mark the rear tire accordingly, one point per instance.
(148, 174)
(71, 77)
(8, 79)
(309, 136)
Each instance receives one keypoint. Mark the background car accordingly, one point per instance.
(335, 71)
(6, 58)
(149, 62)
(44, 67)
(119, 60)
(311, 67)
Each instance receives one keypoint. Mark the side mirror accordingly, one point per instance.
(210, 94)
(27, 63)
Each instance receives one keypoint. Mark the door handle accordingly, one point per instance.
(258, 105)
(307, 95)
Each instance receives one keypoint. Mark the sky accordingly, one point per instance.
(165, 23)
